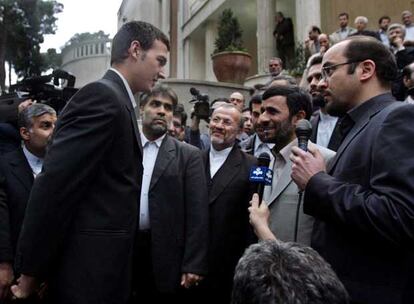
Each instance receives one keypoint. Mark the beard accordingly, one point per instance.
(336, 108)
(283, 135)
(318, 101)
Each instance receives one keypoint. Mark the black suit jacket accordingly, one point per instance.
(364, 208)
(178, 209)
(81, 217)
(335, 139)
(16, 180)
(230, 232)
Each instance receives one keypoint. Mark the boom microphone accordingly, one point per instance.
(261, 174)
(303, 133)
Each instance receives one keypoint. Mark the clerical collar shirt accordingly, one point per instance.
(217, 159)
(150, 153)
(126, 84)
(35, 162)
(326, 126)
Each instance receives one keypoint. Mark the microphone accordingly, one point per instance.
(261, 174)
(303, 133)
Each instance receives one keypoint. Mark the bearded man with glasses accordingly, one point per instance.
(363, 201)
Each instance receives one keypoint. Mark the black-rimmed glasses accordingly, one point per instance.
(327, 71)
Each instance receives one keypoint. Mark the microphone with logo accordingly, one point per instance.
(303, 133)
(261, 174)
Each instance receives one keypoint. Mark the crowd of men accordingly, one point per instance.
(96, 208)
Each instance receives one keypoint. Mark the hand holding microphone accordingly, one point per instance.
(306, 160)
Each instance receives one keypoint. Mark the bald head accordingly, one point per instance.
(237, 99)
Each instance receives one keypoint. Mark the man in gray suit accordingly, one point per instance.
(282, 108)
(173, 227)
(344, 30)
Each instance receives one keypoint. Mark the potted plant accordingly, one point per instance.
(231, 62)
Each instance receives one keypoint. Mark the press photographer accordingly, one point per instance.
(54, 90)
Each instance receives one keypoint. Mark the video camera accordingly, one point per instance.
(41, 89)
(201, 104)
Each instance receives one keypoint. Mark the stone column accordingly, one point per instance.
(308, 12)
(265, 39)
(211, 34)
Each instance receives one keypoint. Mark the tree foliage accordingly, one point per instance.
(229, 33)
(84, 37)
(23, 24)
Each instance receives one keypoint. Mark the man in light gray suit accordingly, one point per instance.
(344, 30)
(282, 108)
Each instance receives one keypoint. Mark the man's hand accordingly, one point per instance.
(195, 123)
(190, 279)
(259, 218)
(305, 165)
(6, 278)
(24, 105)
(26, 286)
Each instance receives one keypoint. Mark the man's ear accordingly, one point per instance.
(368, 69)
(24, 133)
(135, 49)
(298, 116)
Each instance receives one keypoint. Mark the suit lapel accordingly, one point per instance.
(20, 168)
(279, 185)
(164, 158)
(225, 174)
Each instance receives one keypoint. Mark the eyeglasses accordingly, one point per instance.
(327, 71)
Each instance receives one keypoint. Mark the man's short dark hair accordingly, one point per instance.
(181, 114)
(314, 28)
(272, 272)
(160, 90)
(296, 98)
(361, 48)
(382, 18)
(26, 116)
(315, 60)
(256, 99)
(143, 32)
(344, 14)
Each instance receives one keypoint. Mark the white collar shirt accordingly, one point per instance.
(326, 126)
(35, 162)
(127, 87)
(149, 157)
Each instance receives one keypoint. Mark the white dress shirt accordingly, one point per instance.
(150, 153)
(126, 84)
(409, 33)
(217, 159)
(260, 147)
(35, 162)
(326, 126)
(409, 99)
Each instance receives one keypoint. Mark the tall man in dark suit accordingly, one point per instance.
(81, 218)
(173, 228)
(363, 201)
(227, 170)
(18, 168)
